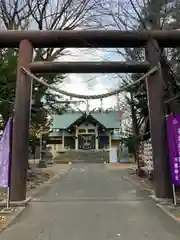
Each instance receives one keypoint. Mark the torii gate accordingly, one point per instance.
(27, 40)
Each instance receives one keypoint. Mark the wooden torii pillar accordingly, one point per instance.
(20, 152)
(155, 92)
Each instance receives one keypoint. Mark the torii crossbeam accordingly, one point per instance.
(89, 38)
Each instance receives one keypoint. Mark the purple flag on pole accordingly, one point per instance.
(173, 128)
(5, 152)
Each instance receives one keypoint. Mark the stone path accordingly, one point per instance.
(93, 202)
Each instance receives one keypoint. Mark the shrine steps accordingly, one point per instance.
(88, 156)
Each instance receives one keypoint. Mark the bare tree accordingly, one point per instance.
(46, 14)
(42, 15)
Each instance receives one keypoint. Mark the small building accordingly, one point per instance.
(82, 131)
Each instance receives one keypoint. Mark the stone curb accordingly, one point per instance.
(168, 213)
(152, 195)
(16, 204)
(34, 192)
(12, 218)
(24, 204)
(159, 202)
(139, 185)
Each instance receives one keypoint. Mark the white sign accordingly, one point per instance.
(113, 155)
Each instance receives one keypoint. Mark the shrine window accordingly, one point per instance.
(91, 130)
(81, 130)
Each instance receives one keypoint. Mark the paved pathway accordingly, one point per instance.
(92, 202)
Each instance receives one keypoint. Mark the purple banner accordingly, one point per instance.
(173, 128)
(5, 151)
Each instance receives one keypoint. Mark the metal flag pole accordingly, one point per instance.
(174, 195)
(8, 198)
(10, 160)
(8, 207)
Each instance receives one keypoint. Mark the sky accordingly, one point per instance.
(90, 84)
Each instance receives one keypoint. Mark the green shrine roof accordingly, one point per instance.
(108, 119)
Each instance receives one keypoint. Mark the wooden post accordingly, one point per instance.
(76, 139)
(109, 140)
(21, 125)
(96, 138)
(155, 92)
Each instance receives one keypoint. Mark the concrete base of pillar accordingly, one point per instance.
(16, 203)
(161, 200)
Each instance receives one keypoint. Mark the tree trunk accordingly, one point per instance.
(135, 131)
